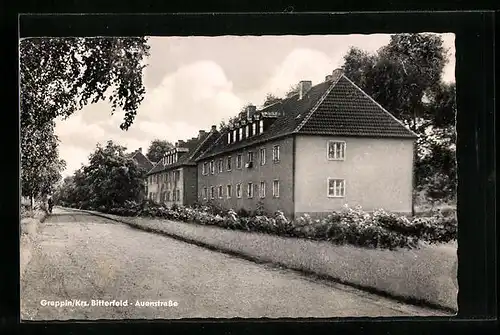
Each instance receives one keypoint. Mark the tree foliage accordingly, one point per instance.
(59, 76)
(271, 99)
(405, 78)
(110, 179)
(157, 150)
(40, 164)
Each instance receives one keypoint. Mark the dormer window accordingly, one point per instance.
(241, 134)
(229, 138)
(247, 131)
(254, 128)
(234, 135)
(261, 126)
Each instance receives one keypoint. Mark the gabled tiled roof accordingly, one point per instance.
(142, 160)
(349, 111)
(194, 145)
(337, 108)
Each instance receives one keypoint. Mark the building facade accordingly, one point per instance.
(145, 164)
(173, 180)
(327, 146)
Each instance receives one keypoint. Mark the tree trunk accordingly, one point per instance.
(414, 170)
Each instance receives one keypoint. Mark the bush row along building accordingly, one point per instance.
(326, 146)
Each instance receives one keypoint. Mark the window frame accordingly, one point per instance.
(229, 191)
(276, 153)
(250, 154)
(212, 167)
(204, 193)
(254, 128)
(262, 190)
(239, 157)
(262, 154)
(276, 190)
(220, 192)
(250, 190)
(212, 192)
(334, 142)
(229, 164)
(221, 165)
(261, 126)
(334, 195)
(238, 191)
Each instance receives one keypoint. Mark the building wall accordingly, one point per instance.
(377, 173)
(190, 183)
(166, 183)
(267, 173)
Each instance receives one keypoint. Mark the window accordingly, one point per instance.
(220, 192)
(234, 135)
(262, 156)
(229, 138)
(212, 168)
(247, 131)
(173, 196)
(212, 192)
(177, 175)
(336, 188)
(204, 194)
(229, 191)
(238, 162)
(261, 126)
(220, 165)
(229, 163)
(254, 128)
(276, 153)
(241, 134)
(336, 150)
(276, 188)
(250, 156)
(262, 190)
(204, 170)
(238, 190)
(250, 190)
(168, 196)
(178, 196)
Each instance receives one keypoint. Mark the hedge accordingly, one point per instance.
(353, 226)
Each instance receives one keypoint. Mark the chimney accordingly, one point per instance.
(242, 115)
(214, 128)
(328, 77)
(139, 150)
(201, 133)
(304, 87)
(181, 143)
(250, 111)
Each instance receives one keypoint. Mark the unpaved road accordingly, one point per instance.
(83, 257)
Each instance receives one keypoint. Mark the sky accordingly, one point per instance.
(193, 83)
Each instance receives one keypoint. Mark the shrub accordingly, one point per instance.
(379, 229)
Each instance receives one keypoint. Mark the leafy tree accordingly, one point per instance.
(157, 150)
(59, 76)
(40, 164)
(271, 99)
(294, 89)
(112, 177)
(400, 73)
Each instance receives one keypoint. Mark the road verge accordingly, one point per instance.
(30, 221)
(425, 276)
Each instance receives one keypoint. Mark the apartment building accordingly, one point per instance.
(326, 146)
(173, 180)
